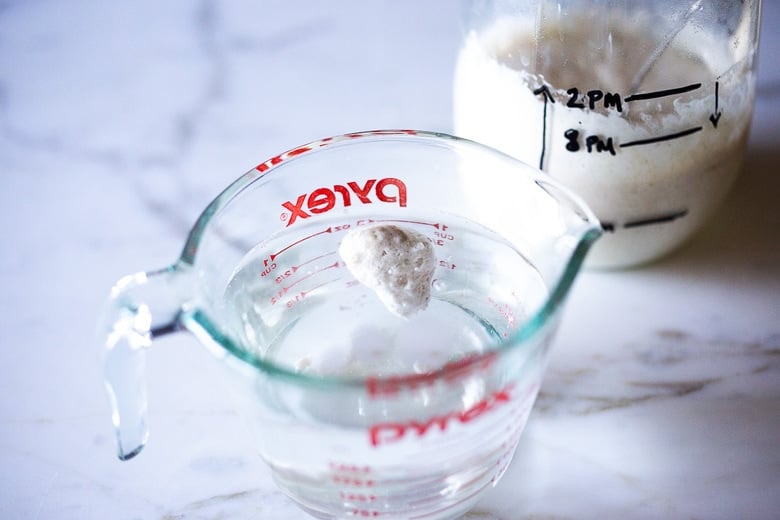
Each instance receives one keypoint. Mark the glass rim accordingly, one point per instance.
(198, 321)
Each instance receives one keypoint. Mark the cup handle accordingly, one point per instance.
(142, 306)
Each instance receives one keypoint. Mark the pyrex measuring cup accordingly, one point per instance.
(360, 412)
(642, 107)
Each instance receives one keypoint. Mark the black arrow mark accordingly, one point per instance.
(714, 118)
(547, 97)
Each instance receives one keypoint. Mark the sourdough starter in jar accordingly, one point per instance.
(652, 160)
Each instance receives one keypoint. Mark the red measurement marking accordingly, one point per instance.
(442, 238)
(357, 487)
(267, 268)
(285, 248)
(263, 167)
(309, 275)
(298, 151)
(351, 468)
(287, 273)
(446, 265)
(276, 298)
(357, 497)
(434, 224)
(300, 296)
(347, 480)
(505, 310)
(313, 260)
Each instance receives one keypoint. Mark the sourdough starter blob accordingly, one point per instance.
(591, 135)
(396, 263)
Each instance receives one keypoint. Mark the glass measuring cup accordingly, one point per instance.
(357, 411)
(641, 107)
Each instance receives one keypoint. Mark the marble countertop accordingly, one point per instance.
(120, 121)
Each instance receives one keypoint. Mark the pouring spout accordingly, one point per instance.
(136, 311)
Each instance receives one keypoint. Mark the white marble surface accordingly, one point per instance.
(119, 121)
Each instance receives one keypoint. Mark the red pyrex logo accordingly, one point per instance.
(323, 199)
(389, 432)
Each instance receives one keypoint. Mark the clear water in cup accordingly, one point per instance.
(413, 444)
